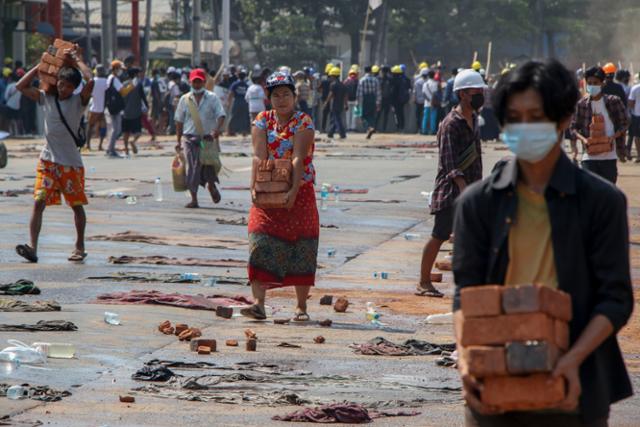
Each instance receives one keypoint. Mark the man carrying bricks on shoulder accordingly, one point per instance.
(460, 164)
(539, 219)
(60, 169)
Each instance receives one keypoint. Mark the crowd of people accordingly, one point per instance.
(538, 217)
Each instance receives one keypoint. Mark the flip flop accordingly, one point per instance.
(77, 256)
(421, 292)
(254, 312)
(301, 316)
(26, 252)
(192, 206)
(216, 196)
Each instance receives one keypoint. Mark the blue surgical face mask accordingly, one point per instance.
(594, 90)
(530, 141)
(198, 91)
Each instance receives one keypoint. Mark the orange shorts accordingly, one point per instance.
(53, 179)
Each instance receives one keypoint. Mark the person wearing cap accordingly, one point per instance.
(337, 104)
(401, 89)
(199, 120)
(459, 165)
(96, 107)
(173, 98)
(239, 122)
(614, 114)
(115, 110)
(418, 96)
(12, 98)
(133, 110)
(283, 242)
(369, 98)
(255, 97)
(450, 98)
(610, 86)
(351, 85)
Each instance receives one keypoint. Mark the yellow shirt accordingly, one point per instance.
(530, 248)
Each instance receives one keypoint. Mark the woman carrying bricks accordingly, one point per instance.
(539, 219)
(283, 241)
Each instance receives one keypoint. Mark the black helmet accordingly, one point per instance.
(280, 79)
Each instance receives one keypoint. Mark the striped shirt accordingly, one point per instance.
(369, 85)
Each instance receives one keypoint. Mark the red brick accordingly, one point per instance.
(341, 305)
(266, 165)
(164, 325)
(190, 334)
(231, 343)
(225, 312)
(272, 187)
(561, 334)
(43, 67)
(479, 301)
(250, 334)
(523, 392)
(531, 357)
(283, 164)
(263, 176)
(181, 327)
(168, 331)
(202, 342)
(203, 349)
(271, 200)
(319, 339)
(326, 300)
(283, 175)
(252, 344)
(50, 59)
(534, 298)
(62, 44)
(444, 265)
(483, 361)
(51, 80)
(325, 323)
(127, 399)
(498, 330)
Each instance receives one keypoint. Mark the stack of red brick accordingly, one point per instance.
(598, 142)
(53, 60)
(512, 337)
(273, 181)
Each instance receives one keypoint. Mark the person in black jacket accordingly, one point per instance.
(540, 219)
(401, 88)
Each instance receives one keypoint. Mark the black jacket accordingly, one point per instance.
(590, 238)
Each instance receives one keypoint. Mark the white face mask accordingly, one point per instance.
(198, 91)
(594, 90)
(530, 141)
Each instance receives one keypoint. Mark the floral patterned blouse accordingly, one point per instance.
(280, 139)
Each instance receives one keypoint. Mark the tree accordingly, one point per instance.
(289, 40)
(167, 30)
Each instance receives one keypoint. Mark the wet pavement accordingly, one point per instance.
(366, 230)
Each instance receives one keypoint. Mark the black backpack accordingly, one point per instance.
(113, 100)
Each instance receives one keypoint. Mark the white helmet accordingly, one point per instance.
(468, 79)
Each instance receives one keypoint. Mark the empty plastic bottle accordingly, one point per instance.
(372, 314)
(16, 392)
(411, 236)
(440, 319)
(112, 318)
(336, 193)
(331, 252)
(191, 277)
(132, 200)
(324, 197)
(211, 282)
(8, 365)
(157, 191)
(56, 350)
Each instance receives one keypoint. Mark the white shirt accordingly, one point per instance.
(634, 95)
(117, 84)
(598, 107)
(255, 98)
(429, 89)
(12, 95)
(97, 95)
(210, 110)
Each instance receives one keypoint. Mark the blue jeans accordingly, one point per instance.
(430, 121)
(336, 124)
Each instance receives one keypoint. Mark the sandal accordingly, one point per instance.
(216, 196)
(192, 205)
(434, 293)
(301, 316)
(27, 252)
(254, 312)
(77, 256)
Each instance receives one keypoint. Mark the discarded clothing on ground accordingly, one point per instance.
(41, 392)
(196, 302)
(351, 413)
(240, 221)
(43, 325)
(196, 241)
(156, 373)
(381, 347)
(21, 287)
(8, 304)
(181, 365)
(147, 277)
(191, 262)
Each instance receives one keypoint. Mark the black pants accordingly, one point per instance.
(607, 169)
(419, 113)
(384, 113)
(398, 111)
(326, 111)
(529, 419)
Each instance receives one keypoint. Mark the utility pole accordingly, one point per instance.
(226, 16)
(196, 33)
(54, 8)
(87, 14)
(106, 42)
(147, 35)
(114, 26)
(135, 31)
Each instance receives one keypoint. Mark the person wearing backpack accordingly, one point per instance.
(401, 89)
(60, 169)
(199, 120)
(114, 101)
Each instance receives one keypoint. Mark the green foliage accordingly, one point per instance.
(37, 44)
(167, 30)
(291, 40)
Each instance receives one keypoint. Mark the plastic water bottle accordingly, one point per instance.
(336, 193)
(372, 315)
(132, 200)
(157, 192)
(211, 282)
(411, 236)
(324, 197)
(16, 392)
(8, 365)
(191, 277)
(56, 350)
(381, 275)
(112, 318)
(331, 252)
(440, 319)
